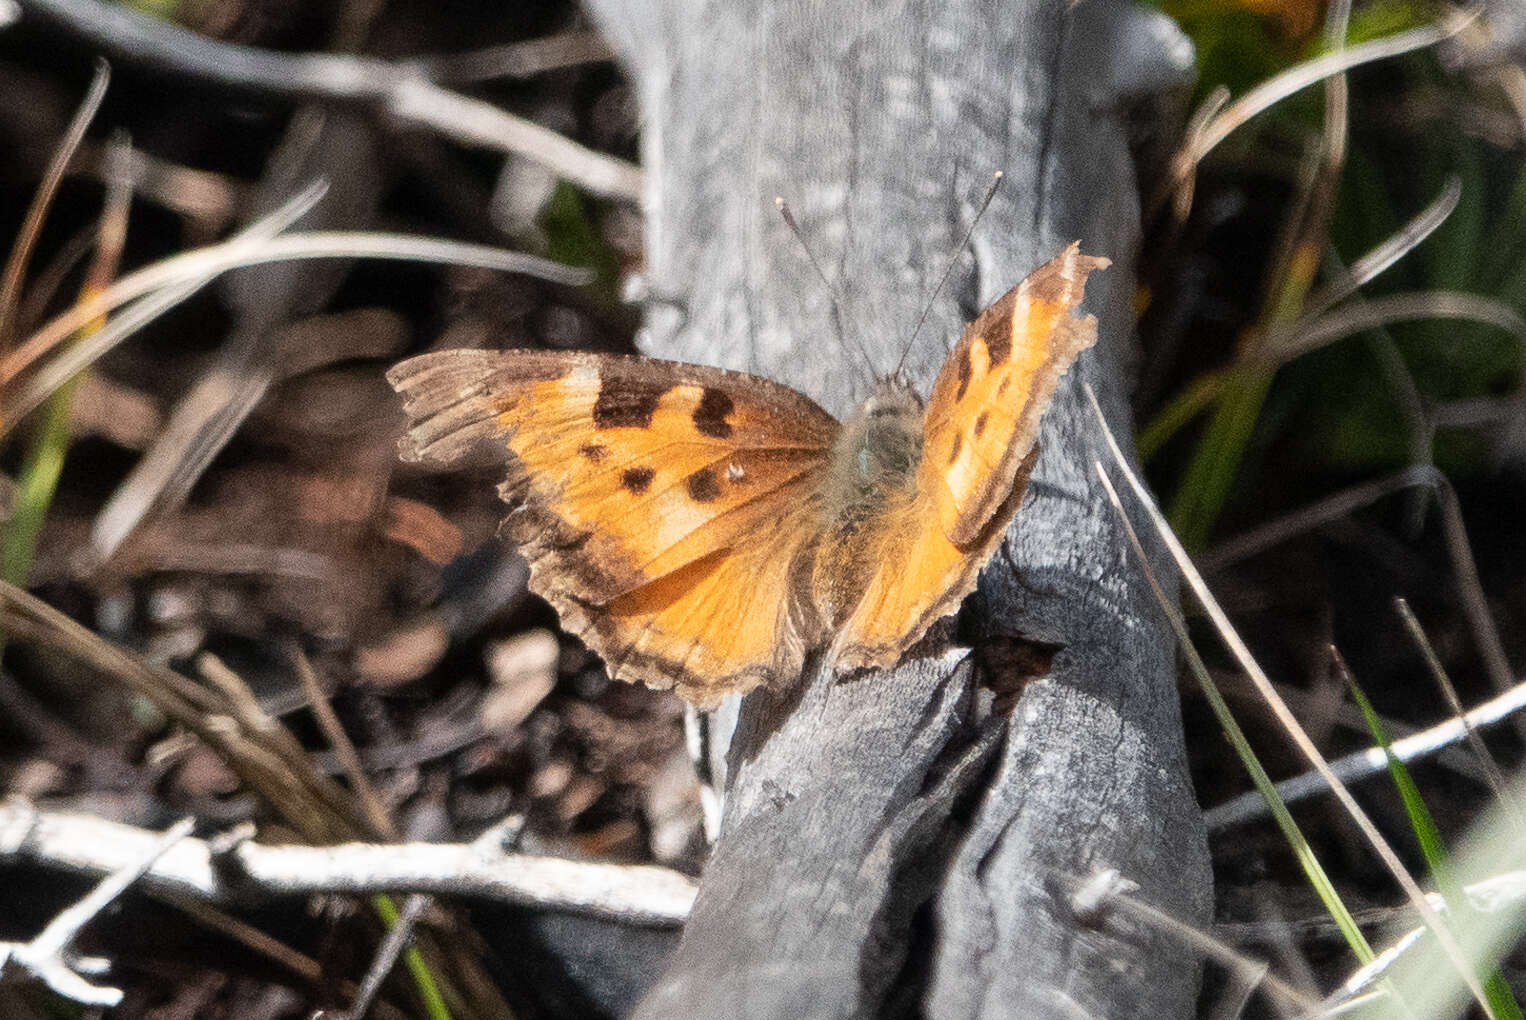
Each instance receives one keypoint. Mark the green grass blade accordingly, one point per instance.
(1496, 989)
(423, 978)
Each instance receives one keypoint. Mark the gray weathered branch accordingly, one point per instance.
(892, 843)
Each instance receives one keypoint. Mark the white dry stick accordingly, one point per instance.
(474, 122)
(633, 894)
(1372, 761)
(46, 957)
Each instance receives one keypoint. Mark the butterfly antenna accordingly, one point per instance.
(837, 329)
(948, 270)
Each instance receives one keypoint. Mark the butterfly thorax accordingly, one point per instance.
(879, 449)
(872, 471)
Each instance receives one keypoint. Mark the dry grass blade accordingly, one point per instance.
(1474, 603)
(1313, 870)
(1489, 865)
(47, 446)
(1491, 769)
(1296, 79)
(40, 343)
(339, 742)
(1331, 508)
(1308, 334)
(1181, 183)
(205, 420)
(1464, 570)
(520, 59)
(247, 935)
(1253, 974)
(196, 268)
(264, 755)
(1285, 717)
(1400, 244)
(1478, 412)
(31, 227)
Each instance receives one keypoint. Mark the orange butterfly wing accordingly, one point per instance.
(660, 506)
(979, 442)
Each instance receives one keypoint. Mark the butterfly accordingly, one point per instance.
(706, 530)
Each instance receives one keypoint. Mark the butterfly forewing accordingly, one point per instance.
(982, 418)
(650, 497)
(979, 437)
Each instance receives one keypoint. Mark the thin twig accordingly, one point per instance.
(398, 937)
(1104, 892)
(45, 957)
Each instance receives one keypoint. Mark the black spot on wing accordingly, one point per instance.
(999, 343)
(980, 423)
(964, 371)
(626, 403)
(593, 452)
(953, 450)
(710, 416)
(637, 479)
(702, 486)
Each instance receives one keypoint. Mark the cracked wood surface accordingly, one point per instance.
(898, 843)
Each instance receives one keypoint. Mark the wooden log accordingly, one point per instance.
(905, 841)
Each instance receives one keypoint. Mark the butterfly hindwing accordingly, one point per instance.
(651, 498)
